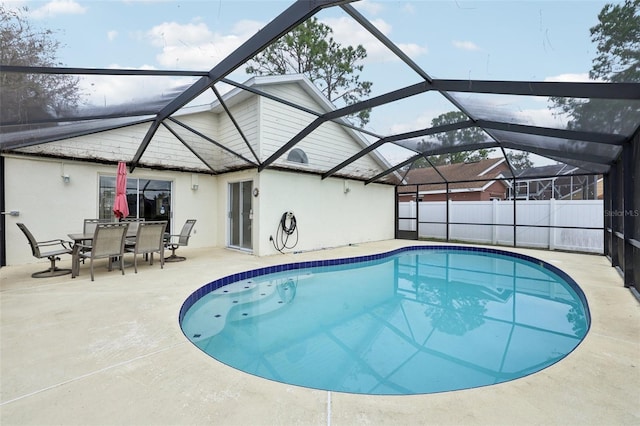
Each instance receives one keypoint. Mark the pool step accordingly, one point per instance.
(236, 302)
(267, 298)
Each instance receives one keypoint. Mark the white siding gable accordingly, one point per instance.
(164, 150)
(326, 147)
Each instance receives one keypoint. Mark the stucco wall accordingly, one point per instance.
(52, 209)
(326, 215)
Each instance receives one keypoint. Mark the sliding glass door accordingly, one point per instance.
(148, 199)
(240, 215)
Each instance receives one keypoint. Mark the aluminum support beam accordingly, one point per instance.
(258, 92)
(393, 169)
(186, 145)
(630, 91)
(297, 13)
(100, 71)
(461, 148)
(550, 152)
(384, 40)
(628, 218)
(345, 111)
(602, 138)
(208, 139)
(399, 137)
(26, 142)
(235, 123)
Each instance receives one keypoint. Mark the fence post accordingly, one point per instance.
(494, 220)
(552, 224)
(448, 218)
(413, 213)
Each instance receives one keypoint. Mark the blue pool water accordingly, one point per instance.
(413, 321)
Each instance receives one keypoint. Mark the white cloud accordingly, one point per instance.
(465, 45)
(371, 7)
(181, 46)
(106, 90)
(542, 117)
(194, 45)
(421, 121)
(58, 7)
(568, 77)
(346, 33)
(409, 9)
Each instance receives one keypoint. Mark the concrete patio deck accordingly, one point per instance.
(111, 352)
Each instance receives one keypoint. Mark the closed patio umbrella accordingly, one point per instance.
(120, 205)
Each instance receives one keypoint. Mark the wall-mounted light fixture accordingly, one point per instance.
(194, 182)
(346, 187)
(65, 176)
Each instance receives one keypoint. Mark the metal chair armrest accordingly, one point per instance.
(63, 243)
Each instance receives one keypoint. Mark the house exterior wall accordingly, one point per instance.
(326, 215)
(364, 213)
(52, 209)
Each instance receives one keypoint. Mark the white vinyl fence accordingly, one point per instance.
(570, 213)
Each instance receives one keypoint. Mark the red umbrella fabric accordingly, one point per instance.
(120, 205)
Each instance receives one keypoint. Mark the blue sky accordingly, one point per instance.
(503, 40)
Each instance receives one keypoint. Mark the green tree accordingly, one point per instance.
(310, 49)
(617, 38)
(618, 41)
(456, 137)
(519, 160)
(30, 97)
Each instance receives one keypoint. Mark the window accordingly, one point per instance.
(296, 155)
(147, 198)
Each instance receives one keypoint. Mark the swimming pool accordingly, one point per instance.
(416, 320)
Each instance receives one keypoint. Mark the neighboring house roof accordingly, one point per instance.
(489, 170)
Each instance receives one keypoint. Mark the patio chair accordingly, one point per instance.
(108, 242)
(51, 249)
(133, 224)
(179, 240)
(89, 227)
(149, 240)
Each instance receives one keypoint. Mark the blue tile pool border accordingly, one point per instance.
(240, 276)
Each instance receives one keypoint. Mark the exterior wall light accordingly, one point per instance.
(194, 182)
(65, 176)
